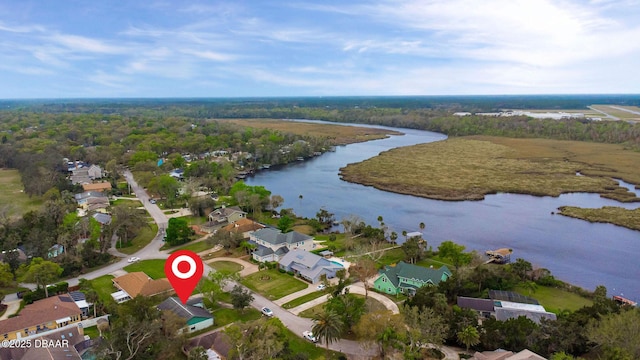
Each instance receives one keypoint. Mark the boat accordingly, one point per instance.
(624, 301)
(299, 158)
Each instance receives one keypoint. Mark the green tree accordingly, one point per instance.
(178, 231)
(424, 326)
(469, 336)
(364, 269)
(455, 253)
(257, 340)
(327, 327)
(42, 272)
(6, 275)
(197, 353)
(618, 334)
(285, 223)
(382, 328)
(240, 297)
(413, 249)
(521, 268)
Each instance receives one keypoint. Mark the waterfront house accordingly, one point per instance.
(272, 244)
(308, 266)
(407, 278)
(226, 215)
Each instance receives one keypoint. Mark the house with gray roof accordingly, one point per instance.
(483, 307)
(504, 310)
(225, 215)
(196, 317)
(272, 244)
(407, 278)
(308, 266)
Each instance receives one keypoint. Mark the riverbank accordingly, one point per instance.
(469, 168)
(607, 214)
(338, 134)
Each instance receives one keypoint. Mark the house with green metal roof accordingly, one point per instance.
(407, 278)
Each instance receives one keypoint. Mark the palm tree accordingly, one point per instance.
(327, 327)
(469, 336)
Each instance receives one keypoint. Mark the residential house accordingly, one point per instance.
(81, 302)
(95, 172)
(197, 318)
(226, 215)
(80, 176)
(506, 355)
(43, 315)
(83, 198)
(308, 266)
(177, 174)
(103, 219)
(217, 344)
(505, 305)
(99, 186)
(407, 278)
(243, 226)
(19, 253)
(64, 341)
(138, 283)
(272, 244)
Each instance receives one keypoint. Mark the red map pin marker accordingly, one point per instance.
(184, 269)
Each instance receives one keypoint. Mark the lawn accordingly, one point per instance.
(154, 268)
(304, 299)
(143, 239)
(226, 266)
(371, 305)
(12, 195)
(273, 284)
(104, 287)
(555, 300)
(92, 332)
(196, 247)
(225, 316)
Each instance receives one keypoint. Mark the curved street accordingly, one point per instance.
(293, 322)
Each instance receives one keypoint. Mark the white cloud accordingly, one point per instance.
(84, 44)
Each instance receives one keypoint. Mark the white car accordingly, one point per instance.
(133, 259)
(321, 287)
(267, 312)
(309, 336)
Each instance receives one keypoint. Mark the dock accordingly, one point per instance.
(499, 256)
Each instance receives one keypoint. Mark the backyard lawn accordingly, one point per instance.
(225, 316)
(555, 300)
(104, 287)
(143, 239)
(226, 266)
(273, 284)
(154, 268)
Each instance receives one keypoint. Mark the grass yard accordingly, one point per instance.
(339, 134)
(225, 316)
(299, 345)
(143, 239)
(104, 287)
(154, 268)
(226, 266)
(555, 300)
(371, 305)
(12, 195)
(273, 284)
(304, 299)
(92, 332)
(469, 168)
(196, 247)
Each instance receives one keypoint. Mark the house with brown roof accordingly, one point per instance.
(243, 226)
(138, 283)
(100, 186)
(60, 344)
(41, 316)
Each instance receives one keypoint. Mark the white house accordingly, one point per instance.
(273, 244)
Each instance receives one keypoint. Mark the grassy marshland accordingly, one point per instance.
(468, 168)
(608, 214)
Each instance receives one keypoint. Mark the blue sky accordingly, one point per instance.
(167, 48)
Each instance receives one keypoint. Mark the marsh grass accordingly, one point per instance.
(607, 214)
(471, 167)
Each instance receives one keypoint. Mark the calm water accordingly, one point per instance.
(575, 251)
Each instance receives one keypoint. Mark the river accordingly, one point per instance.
(576, 251)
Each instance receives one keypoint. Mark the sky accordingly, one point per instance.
(264, 48)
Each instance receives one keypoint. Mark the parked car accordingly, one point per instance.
(321, 287)
(309, 336)
(133, 259)
(267, 312)
(153, 201)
